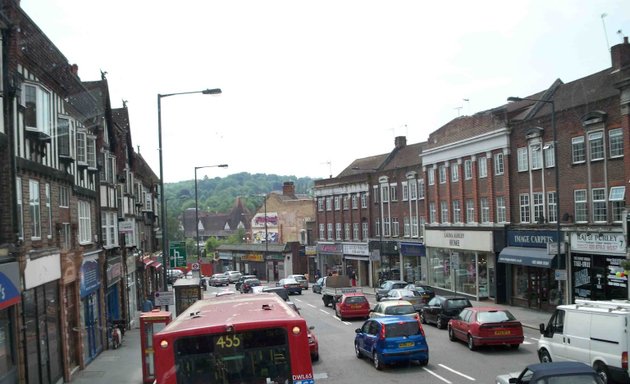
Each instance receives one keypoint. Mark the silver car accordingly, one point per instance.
(300, 279)
(233, 276)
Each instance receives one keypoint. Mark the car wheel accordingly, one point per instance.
(451, 334)
(514, 346)
(357, 351)
(422, 318)
(377, 362)
(471, 343)
(440, 322)
(424, 362)
(315, 356)
(602, 371)
(544, 356)
(299, 293)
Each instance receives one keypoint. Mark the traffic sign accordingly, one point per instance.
(177, 252)
(164, 298)
(195, 266)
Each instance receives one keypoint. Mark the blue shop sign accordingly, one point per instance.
(531, 239)
(9, 283)
(411, 249)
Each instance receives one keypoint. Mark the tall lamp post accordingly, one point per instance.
(557, 171)
(214, 91)
(197, 202)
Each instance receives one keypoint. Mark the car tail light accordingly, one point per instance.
(420, 326)
(382, 334)
(624, 360)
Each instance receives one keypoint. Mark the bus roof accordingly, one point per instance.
(240, 311)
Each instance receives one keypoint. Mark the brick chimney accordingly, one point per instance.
(620, 54)
(74, 69)
(288, 189)
(400, 142)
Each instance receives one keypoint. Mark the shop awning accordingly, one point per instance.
(531, 257)
(156, 265)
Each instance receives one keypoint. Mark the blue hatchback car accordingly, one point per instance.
(391, 339)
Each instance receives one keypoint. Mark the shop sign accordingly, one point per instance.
(531, 239)
(310, 250)
(329, 248)
(356, 249)
(409, 249)
(253, 257)
(598, 242)
(468, 240)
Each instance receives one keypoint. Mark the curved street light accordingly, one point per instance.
(197, 204)
(214, 91)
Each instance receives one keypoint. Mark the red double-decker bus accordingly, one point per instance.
(254, 339)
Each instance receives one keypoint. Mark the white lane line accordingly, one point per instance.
(527, 343)
(326, 312)
(310, 305)
(457, 373)
(533, 338)
(436, 375)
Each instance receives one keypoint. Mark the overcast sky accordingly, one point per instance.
(309, 86)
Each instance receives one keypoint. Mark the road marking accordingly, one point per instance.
(534, 338)
(310, 305)
(322, 375)
(527, 343)
(436, 375)
(458, 373)
(324, 311)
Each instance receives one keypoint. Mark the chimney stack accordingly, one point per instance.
(400, 142)
(620, 54)
(288, 189)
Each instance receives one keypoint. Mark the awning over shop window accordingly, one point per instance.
(156, 265)
(531, 257)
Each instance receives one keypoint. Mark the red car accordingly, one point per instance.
(479, 326)
(352, 305)
(313, 345)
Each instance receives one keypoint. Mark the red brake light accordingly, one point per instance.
(624, 360)
(382, 335)
(420, 326)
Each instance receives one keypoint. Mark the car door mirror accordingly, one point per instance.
(358, 330)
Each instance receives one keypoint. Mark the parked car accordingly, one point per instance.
(440, 309)
(237, 284)
(218, 280)
(352, 305)
(317, 286)
(300, 279)
(247, 285)
(387, 286)
(391, 339)
(291, 285)
(280, 291)
(425, 291)
(233, 276)
(479, 326)
(394, 308)
(413, 297)
(173, 275)
(564, 372)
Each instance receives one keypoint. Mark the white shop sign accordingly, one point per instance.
(454, 239)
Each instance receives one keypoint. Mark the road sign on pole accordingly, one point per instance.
(177, 252)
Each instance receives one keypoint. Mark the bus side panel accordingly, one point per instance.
(301, 366)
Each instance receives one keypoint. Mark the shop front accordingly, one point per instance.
(356, 258)
(595, 266)
(114, 268)
(253, 263)
(224, 262)
(461, 261)
(9, 300)
(411, 254)
(274, 266)
(329, 258)
(91, 307)
(527, 272)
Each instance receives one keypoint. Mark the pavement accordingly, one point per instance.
(123, 366)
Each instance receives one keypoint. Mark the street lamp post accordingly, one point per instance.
(197, 204)
(214, 91)
(557, 171)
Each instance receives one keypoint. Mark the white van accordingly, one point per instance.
(592, 332)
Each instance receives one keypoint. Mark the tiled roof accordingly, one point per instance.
(466, 127)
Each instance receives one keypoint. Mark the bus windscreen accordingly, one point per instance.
(258, 356)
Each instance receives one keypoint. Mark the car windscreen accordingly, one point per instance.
(355, 300)
(403, 328)
(400, 310)
(457, 303)
(494, 316)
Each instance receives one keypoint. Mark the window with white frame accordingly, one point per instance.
(455, 172)
(338, 231)
(385, 193)
(535, 152)
(109, 230)
(90, 149)
(498, 164)
(346, 230)
(442, 173)
(20, 208)
(355, 201)
(395, 227)
(364, 200)
(420, 189)
(596, 145)
(81, 148)
(63, 137)
(470, 211)
(387, 228)
(66, 236)
(85, 222)
(414, 226)
(377, 227)
(322, 232)
(346, 202)
(501, 210)
(467, 169)
(578, 150)
(539, 207)
(329, 231)
(34, 209)
(550, 155)
(320, 204)
(617, 199)
(355, 231)
(49, 211)
(431, 176)
(413, 189)
(432, 213)
(393, 193)
(406, 227)
(581, 205)
(615, 142)
(329, 203)
(552, 207)
(405, 191)
(483, 166)
(457, 212)
(364, 230)
(444, 212)
(600, 212)
(522, 161)
(484, 210)
(37, 109)
(524, 208)
(337, 203)
(64, 197)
